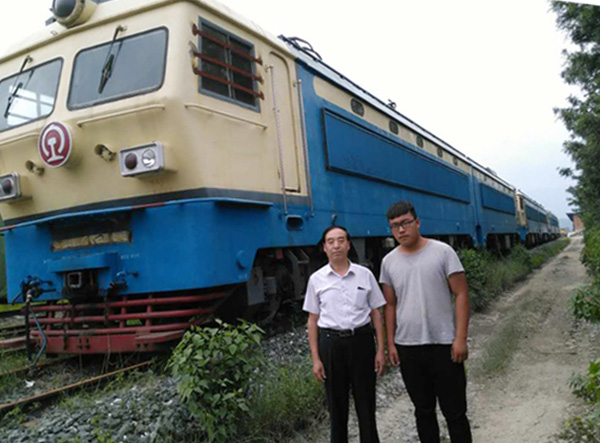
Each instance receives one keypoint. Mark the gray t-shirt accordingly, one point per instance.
(424, 310)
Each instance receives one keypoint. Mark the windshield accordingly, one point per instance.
(29, 95)
(118, 69)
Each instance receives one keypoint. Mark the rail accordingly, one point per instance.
(44, 396)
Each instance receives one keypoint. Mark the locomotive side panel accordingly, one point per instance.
(359, 168)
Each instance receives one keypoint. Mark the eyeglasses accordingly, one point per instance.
(405, 224)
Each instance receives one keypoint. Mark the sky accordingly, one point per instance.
(482, 75)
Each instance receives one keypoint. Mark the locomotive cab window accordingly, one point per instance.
(29, 95)
(118, 69)
(227, 67)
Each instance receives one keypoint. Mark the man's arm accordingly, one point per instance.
(389, 311)
(458, 286)
(313, 342)
(380, 356)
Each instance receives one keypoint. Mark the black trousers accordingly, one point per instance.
(350, 364)
(429, 374)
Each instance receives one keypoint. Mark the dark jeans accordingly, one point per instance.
(429, 374)
(350, 363)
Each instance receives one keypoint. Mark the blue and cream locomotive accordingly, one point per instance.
(160, 159)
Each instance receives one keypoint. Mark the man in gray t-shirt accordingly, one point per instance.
(426, 331)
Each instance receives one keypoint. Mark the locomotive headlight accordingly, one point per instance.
(73, 12)
(131, 161)
(63, 8)
(141, 160)
(10, 187)
(149, 158)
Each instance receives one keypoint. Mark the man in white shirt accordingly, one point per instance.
(426, 332)
(342, 298)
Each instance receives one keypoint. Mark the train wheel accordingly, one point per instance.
(265, 312)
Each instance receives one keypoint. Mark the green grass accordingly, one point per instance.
(492, 276)
(501, 346)
(12, 361)
(6, 307)
(289, 399)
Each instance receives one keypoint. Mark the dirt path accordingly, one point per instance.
(529, 402)
(529, 399)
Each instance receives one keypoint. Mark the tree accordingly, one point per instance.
(582, 117)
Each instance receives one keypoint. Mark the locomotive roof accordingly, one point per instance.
(532, 202)
(327, 71)
(108, 11)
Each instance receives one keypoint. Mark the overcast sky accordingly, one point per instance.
(483, 75)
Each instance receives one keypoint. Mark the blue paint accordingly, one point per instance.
(357, 171)
(496, 200)
(357, 150)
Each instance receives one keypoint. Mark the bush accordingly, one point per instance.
(588, 386)
(214, 367)
(489, 275)
(580, 429)
(586, 427)
(476, 264)
(590, 255)
(585, 303)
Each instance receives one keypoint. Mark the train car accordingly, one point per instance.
(497, 220)
(164, 159)
(537, 226)
(554, 226)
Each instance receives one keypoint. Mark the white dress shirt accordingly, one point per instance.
(343, 301)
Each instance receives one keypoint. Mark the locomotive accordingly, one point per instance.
(162, 160)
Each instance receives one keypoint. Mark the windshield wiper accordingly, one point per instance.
(15, 87)
(107, 68)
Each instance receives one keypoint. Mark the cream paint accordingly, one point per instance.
(209, 142)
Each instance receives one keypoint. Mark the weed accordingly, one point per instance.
(585, 303)
(585, 427)
(588, 386)
(500, 348)
(288, 399)
(214, 368)
(101, 435)
(13, 418)
(581, 428)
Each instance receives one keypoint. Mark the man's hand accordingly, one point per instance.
(319, 371)
(460, 351)
(393, 355)
(380, 362)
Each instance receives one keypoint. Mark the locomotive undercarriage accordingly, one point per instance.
(90, 324)
(116, 324)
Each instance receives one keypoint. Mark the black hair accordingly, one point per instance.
(331, 228)
(400, 208)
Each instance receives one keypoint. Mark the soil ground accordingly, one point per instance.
(528, 399)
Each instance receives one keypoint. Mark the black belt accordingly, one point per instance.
(366, 329)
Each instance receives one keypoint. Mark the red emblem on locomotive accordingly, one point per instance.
(55, 144)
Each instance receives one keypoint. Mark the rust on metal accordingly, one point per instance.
(4, 408)
(239, 52)
(44, 364)
(10, 343)
(114, 325)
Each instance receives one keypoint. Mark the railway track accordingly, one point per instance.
(52, 393)
(10, 313)
(5, 352)
(40, 366)
(10, 331)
